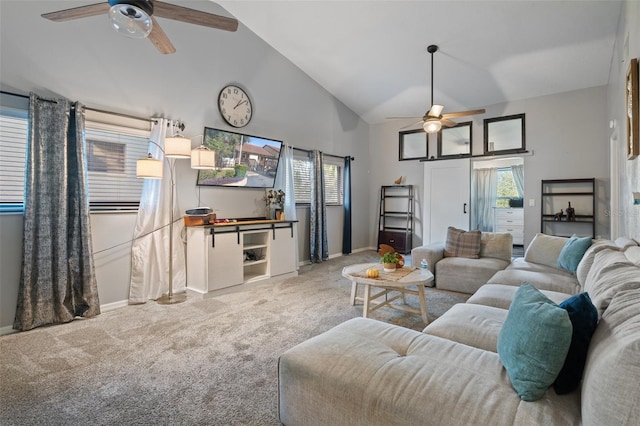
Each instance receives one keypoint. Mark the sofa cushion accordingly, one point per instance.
(496, 244)
(562, 283)
(611, 272)
(461, 243)
(466, 275)
(533, 342)
(473, 325)
(633, 254)
(501, 295)
(572, 252)
(625, 242)
(584, 319)
(545, 249)
(365, 372)
(587, 260)
(610, 386)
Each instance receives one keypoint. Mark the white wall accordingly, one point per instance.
(87, 61)
(566, 132)
(625, 216)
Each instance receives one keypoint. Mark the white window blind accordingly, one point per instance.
(303, 172)
(112, 152)
(13, 143)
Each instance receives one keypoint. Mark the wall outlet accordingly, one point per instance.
(532, 202)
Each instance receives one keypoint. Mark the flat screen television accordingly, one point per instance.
(242, 160)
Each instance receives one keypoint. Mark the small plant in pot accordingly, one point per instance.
(390, 261)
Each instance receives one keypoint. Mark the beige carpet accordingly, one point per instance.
(208, 362)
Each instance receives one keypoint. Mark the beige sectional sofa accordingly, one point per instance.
(465, 274)
(366, 372)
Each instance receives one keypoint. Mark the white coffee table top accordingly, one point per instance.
(401, 277)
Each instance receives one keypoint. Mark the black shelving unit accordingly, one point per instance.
(395, 224)
(556, 195)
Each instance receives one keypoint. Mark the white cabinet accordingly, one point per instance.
(510, 220)
(223, 256)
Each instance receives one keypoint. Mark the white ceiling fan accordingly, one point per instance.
(434, 119)
(136, 18)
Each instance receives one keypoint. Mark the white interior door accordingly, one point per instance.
(446, 197)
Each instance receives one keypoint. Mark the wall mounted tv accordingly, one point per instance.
(242, 160)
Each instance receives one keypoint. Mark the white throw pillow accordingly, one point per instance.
(545, 250)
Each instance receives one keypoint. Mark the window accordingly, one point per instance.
(506, 187)
(13, 143)
(333, 187)
(112, 151)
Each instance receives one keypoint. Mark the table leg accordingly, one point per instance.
(354, 290)
(423, 303)
(367, 294)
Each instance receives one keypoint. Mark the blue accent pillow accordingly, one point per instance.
(572, 252)
(533, 342)
(584, 319)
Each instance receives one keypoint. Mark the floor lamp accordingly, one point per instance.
(176, 147)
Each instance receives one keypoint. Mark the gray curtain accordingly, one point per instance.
(318, 244)
(518, 177)
(58, 279)
(484, 186)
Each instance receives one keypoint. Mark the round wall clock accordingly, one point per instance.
(235, 106)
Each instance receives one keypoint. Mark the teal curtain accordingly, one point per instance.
(58, 280)
(484, 184)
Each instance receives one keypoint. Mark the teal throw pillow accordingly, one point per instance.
(533, 342)
(572, 252)
(584, 319)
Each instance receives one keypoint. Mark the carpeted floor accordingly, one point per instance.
(208, 362)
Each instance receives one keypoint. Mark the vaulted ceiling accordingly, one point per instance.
(372, 55)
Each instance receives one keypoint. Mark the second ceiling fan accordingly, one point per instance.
(136, 18)
(434, 119)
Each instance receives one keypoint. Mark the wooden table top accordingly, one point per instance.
(401, 277)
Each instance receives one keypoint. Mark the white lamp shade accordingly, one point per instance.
(149, 168)
(177, 147)
(203, 158)
(432, 125)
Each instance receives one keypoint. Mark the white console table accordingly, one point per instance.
(230, 254)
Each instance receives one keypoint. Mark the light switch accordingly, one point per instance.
(532, 202)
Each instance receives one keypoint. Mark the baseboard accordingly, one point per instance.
(7, 330)
(115, 305)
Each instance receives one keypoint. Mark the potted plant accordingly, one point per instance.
(389, 261)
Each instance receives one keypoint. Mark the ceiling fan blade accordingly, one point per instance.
(435, 111)
(463, 113)
(448, 123)
(192, 16)
(77, 12)
(160, 39)
(400, 118)
(410, 125)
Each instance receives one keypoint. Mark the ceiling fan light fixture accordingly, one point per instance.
(131, 18)
(432, 125)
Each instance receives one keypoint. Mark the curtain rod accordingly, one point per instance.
(151, 120)
(133, 117)
(328, 155)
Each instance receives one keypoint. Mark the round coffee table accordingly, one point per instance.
(397, 281)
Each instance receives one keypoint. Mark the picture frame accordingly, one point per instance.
(631, 110)
(504, 135)
(456, 141)
(413, 145)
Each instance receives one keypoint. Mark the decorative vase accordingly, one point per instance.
(389, 267)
